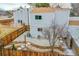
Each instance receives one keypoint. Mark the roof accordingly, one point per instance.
(46, 9)
(62, 5)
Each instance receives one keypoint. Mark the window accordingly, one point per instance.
(38, 17)
(39, 29)
(29, 35)
(20, 21)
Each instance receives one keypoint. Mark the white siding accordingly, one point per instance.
(62, 17)
(44, 22)
(20, 15)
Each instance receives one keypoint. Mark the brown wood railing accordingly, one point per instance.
(11, 36)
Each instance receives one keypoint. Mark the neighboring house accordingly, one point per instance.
(4, 18)
(3, 13)
(40, 18)
(75, 8)
(61, 5)
(74, 31)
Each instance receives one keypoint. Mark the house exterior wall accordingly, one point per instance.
(60, 17)
(45, 22)
(20, 14)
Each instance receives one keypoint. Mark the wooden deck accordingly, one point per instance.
(8, 35)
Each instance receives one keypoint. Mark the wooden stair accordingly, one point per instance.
(11, 36)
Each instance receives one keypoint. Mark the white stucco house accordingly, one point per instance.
(40, 18)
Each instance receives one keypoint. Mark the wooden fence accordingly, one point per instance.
(74, 23)
(7, 21)
(9, 52)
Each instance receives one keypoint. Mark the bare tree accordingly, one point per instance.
(54, 33)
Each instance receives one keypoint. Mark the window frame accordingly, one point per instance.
(38, 17)
(39, 29)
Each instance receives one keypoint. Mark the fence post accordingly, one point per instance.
(1, 47)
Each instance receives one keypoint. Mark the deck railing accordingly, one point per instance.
(11, 36)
